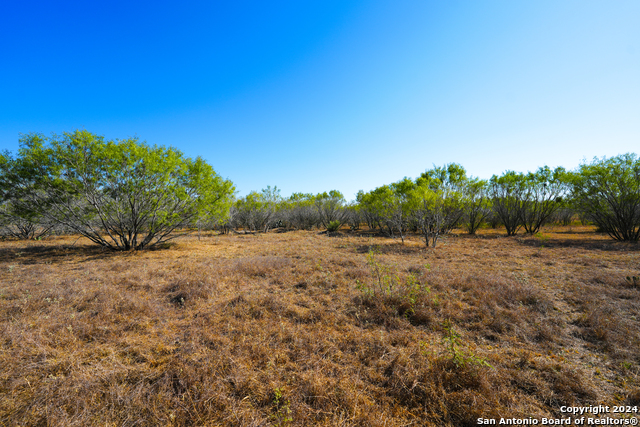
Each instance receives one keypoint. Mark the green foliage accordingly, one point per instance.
(414, 290)
(330, 207)
(383, 282)
(436, 209)
(353, 214)
(366, 205)
(453, 344)
(121, 194)
(448, 177)
(302, 198)
(257, 210)
(299, 211)
(281, 409)
(544, 191)
(507, 193)
(439, 200)
(607, 191)
(389, 286)
(333, 226)
(528, 200)
(477, 204)
(271, 195)
(389, 206)
(17, 218)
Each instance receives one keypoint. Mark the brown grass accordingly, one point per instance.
(272, 329)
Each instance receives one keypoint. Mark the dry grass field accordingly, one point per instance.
(301, 328)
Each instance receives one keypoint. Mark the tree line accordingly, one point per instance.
(126, 194)
(605, 192)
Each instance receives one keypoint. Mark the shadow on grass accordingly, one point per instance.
(571, 231)
(282, 230)
(479, 236)
(586, 243)
(38, 254)
(390, 248)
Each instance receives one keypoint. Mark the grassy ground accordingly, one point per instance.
(301, 328)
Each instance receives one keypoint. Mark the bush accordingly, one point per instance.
(333, 226)
(392, 294)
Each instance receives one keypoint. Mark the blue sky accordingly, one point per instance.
(318, 95)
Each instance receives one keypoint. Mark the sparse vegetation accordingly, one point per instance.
(239, 330)
(453, 349)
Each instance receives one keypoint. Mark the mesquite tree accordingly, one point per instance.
(507, 193)
(17, 219)
(435, 212)
(607, 191)
(478, 204)
(529, 200)
(121, 194)
(369, 210)
(257, 210)
(299, 211)
(543, 195)
(401, 214)
(330, 207)
(438, 201)
(449, 183)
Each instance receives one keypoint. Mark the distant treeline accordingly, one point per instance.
(605, 192)
(125, 194)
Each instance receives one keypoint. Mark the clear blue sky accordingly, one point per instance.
(318, 95)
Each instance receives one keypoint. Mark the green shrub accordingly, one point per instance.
(333, 226)
(607, 193)
(390, 289)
